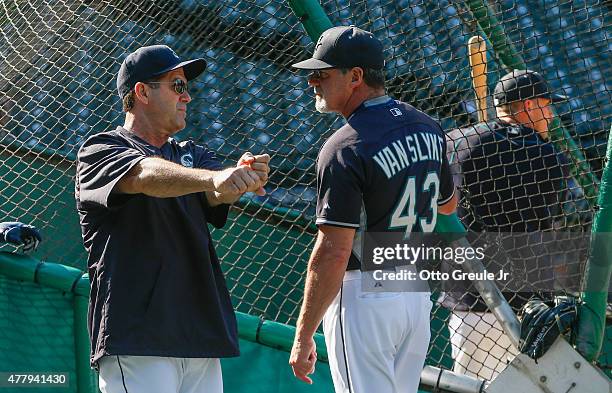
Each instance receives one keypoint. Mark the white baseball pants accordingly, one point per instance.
(376, 341)
(154, 374)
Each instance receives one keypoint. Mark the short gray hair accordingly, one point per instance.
(372, 77)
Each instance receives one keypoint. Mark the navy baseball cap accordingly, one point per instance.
(345, 47)
(520, 85)
(151, 61)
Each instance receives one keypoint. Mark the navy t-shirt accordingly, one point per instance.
(385, 170)
(511, 181)
(157, 288)
(510, 178)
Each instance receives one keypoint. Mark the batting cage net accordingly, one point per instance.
(59, 61)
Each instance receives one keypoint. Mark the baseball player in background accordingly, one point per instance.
(160, 315)
(512, 179)
(376, 341)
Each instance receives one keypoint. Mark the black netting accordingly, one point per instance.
(58, 61)
(427, 66)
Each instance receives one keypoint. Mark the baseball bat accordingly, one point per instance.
(477, 49)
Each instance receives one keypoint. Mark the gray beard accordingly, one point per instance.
(321, 106)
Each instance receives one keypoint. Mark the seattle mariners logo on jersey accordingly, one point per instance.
(187, 160)
(395, 112)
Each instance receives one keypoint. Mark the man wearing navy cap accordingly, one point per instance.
(385, 170)
(512, 179)
(513, 148)
(160, 315)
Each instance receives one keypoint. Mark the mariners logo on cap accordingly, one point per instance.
(319, 41)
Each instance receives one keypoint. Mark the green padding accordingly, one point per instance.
(82, 286)
(273, 334)
(276, 334)
(58, 276)
(36, 332)
(51, 275)
(247, 326)
(18, 266)
(261, 369)
(592, 313)
(312, 16)
(86, 377)
(495, 32)
(606, 353)
(591, 324)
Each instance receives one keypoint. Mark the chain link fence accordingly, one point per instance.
(58, 62)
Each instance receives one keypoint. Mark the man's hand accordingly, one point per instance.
(236, 181)
(19, 234)
(303, 358)
(260, 164)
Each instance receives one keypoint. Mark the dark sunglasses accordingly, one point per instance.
(179, 85)
(318, 74)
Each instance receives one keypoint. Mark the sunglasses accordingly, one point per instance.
(178, 85)
(318, 74)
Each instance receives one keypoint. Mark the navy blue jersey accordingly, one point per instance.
(385, 170)
(510, 179)
(157, 288)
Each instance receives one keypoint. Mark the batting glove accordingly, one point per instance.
(20, 234)
(542, 323)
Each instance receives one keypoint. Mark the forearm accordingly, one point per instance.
(164, 179)
(326, 270)
(215, 199)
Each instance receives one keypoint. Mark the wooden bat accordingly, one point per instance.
(477, 49)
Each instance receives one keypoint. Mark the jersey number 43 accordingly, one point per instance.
(404, 214)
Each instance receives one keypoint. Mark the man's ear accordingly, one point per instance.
(142, 92)
(531, 104)
(357, 75)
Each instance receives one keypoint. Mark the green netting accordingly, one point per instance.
(58, 61)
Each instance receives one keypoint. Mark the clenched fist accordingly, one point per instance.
(260, 164)
(236, 181)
